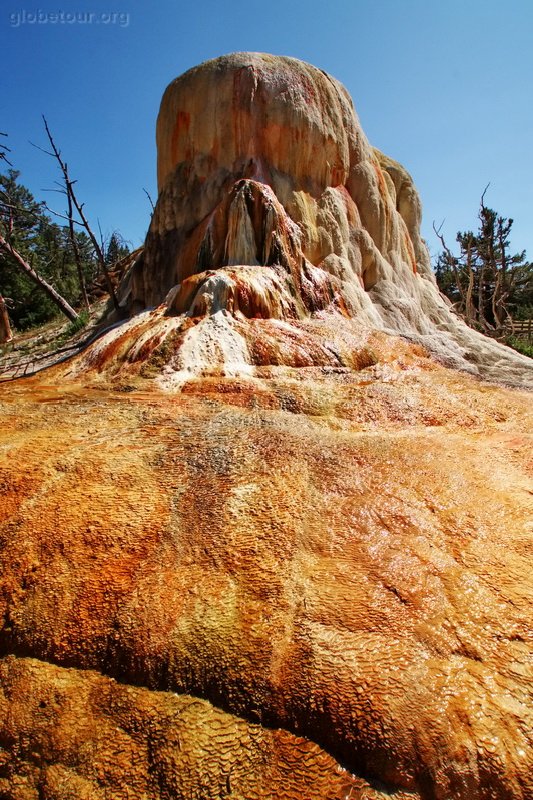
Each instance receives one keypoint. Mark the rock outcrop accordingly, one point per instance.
(257, 540)
(273, 205)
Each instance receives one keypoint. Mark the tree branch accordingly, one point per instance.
(79, 208)
(7, 249)
(147, 193)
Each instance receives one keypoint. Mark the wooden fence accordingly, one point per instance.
(522, 329)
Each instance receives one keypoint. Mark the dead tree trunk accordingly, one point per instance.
(76, 251)
(69, 187)
(23, 266)
(5, 328)
(469, 304)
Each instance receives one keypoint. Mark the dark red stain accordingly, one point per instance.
(338, 176)
(181, 130)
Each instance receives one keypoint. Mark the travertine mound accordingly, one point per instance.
(262, 163)
(257, 542)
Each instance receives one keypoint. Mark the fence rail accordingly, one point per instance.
(522, 329)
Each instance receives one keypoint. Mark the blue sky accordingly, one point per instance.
(443, 87)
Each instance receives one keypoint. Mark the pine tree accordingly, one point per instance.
(487, 284)
(116, 249)
(46, 248)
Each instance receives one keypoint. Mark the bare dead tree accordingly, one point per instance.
(483, 270)
(452, 262)
(6, 334)
(74, 203)
(76, 250)
(469, 244)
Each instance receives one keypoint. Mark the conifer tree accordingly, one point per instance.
(488, 284)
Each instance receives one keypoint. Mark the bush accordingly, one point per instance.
(525, 348)
(74, 327)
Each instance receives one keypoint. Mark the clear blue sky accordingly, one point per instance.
(443, 87)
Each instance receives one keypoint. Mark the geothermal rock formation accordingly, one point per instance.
(273, 206)
(260, 540)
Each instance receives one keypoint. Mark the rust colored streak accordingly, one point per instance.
(410, 250)
(180, 135)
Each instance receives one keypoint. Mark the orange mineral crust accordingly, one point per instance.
(326, 579)
(268, 535)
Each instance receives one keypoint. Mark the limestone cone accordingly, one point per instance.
(304, 572)
(262, 163)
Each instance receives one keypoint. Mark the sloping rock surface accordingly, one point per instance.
(340, 558)
(258, 541)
